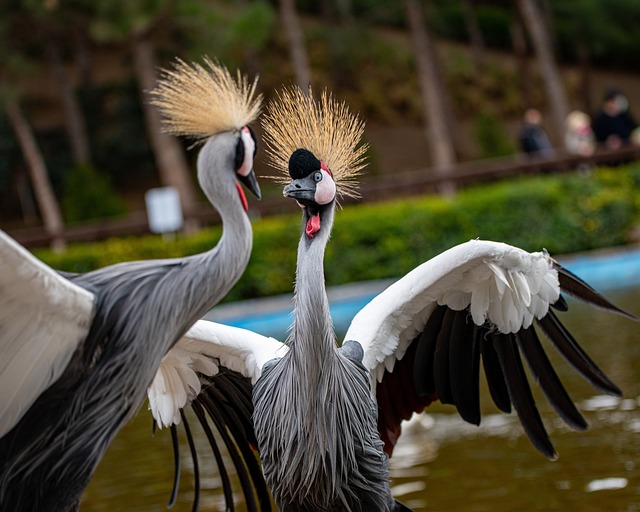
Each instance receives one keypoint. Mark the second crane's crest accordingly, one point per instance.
(198, 101)
(326, 127)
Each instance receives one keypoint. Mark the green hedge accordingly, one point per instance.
(564, 214)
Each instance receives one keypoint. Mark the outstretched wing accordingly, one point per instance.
(213, 368)
(425, 336)
(43, 319)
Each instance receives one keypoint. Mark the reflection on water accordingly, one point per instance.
(444, 464)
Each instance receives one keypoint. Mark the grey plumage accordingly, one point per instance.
(314, 416)
(141, 310)
(322, 435)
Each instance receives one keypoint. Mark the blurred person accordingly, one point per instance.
(578, 135)
(533, 139)
(613, 125)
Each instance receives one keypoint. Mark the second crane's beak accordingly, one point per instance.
(251, 183)
(303, 190)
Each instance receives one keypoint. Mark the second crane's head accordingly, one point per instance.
(316, 147)
(208, 104)
(312, 187)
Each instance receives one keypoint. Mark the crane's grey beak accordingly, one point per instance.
(301, 190)
(251, 183)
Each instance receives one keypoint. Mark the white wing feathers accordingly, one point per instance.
(502, 284)
(204, 349)
(43, 319)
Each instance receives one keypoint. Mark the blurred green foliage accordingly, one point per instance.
(89, 195)
(492, 137)
(115, 121)
(447, 20)
(563, 214)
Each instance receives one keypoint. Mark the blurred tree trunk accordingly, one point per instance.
(47, 203)
(168, 153)
(326, 11)
(345, 10)
(82, 55)
(295, 38)
(341, 31)
(533, 18)
(73, 117)
(336, 11)
(25, 198)
(519, 43)
(434, 103)
(475, 34)
(547, 20)
(585, 77)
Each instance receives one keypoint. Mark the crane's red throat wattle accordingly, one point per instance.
(243, 198)
(313, 225)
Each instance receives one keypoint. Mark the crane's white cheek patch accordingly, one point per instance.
(325, 190)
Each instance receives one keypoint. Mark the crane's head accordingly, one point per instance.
(317, 145)
(215, 108)
(312, 187)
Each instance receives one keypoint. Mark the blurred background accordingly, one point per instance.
(440, 84)
(506, 120)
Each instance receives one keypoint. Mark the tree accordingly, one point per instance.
(134, 22)
(246, 35)
(437, 128)
(520, 51)
(597, 31)
(15, 66)
(52, 27)
(533, 18)
(168, 152)
(74, 120)
(295, 38)
(475, 34)
(47, 203)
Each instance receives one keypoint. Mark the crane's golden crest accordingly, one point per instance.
(198, 101)
(326, 128)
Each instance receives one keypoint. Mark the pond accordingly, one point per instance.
(442, 463)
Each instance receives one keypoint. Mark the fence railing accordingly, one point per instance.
(373, 188)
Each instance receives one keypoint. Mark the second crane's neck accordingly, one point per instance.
(312, 333)
(225, 263)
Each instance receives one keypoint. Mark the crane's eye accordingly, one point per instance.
(317, 177)
(245, 151)
(254, 139)
(239, 156)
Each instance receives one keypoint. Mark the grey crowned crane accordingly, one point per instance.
(78, 351)
(325, 418)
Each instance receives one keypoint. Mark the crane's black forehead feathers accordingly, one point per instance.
(302, 163)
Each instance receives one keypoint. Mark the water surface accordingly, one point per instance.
(444, 464)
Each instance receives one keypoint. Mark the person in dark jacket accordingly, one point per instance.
(533, 139)
(613, 125)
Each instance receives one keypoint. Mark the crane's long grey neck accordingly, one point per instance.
(220, 268)
(314, 417)
(229, 258)
(312, 334)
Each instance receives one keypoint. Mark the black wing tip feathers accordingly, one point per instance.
(176, 463)
(573, 285)
(520, 393)
(562, 339)
(547, 378)
(561, 304)
(227, 404)
(446, 363)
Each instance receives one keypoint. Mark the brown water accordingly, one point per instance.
(444, 464)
